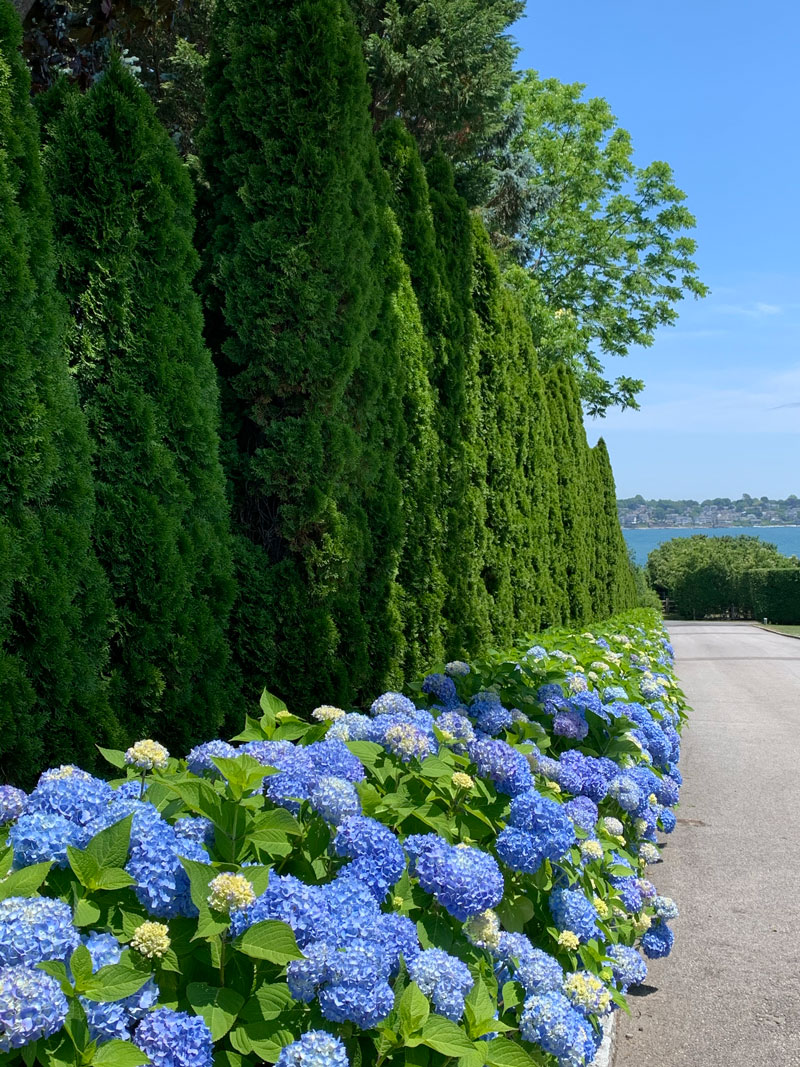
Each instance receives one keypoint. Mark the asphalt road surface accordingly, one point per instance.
(729, 995)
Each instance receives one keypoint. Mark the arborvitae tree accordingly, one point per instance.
(452, 326)
(294, 256)
(572, 562)
(123, 214)
(53, 599)
(615, 581)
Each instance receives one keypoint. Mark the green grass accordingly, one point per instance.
(790, 631)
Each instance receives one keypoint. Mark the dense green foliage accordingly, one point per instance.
(444, 67)
(711, 575)
(123, 229)
(775, 593)
(53, 600)
(606, 250)
(405, 483)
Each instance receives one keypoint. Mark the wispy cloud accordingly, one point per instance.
(757, 407)
(756, 310)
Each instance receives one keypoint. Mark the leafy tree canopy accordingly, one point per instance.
(443, 66)
(603, 243)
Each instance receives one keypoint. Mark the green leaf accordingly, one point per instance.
(264, 1040)
(5, 862)
(25, 882)
(218, 1006)
(413, 1010)
(112, 756)
(443, 1035)
(119, 1054)
(86, 913)
(515, 912)
(58, 970)
(110, 847)
(200, 877)
(502, 1052)
(434, 767)
(270, 705)
(278, 819)
(85, 867)
(115, 982)
(270, 940)
(114, 878)
(198, 796)
(80, 963)
(268, 1002)
(367, 751)
(252, 731)
(243, 773)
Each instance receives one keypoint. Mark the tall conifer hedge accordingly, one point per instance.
(54, 604)
(123, 225)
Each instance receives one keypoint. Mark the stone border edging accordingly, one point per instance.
(604, 1053)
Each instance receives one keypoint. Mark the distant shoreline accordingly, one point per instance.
(742, 526)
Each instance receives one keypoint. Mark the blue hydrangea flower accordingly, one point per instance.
(32, 1005)
(304, 977)
(297, 771)
(631, 895)
(199, 759)
(464, 880)
(626, 792)
(40, 836)
(537, 971)
(627, 966)
(583, 812)
(393, 704)
(520, 850)
(174, 1039)
(77, 797)
(536, 652)
(667, 820)
(314, 1048)
(162, 885)
(504, 765)
(545, 821)
(332, 758)
(12, 803)
(614, 693)
(407, 741)
(352, 727)
(457, 668)
(657, 941)
(665, 907)
(570, 724)
(458, 727)
(445, 980)
(571, 910)
(303, 907)
(132, 789)
(442, 689)
(356, 987)
(335, 799)
(377, 855)
(491, 717)
(549, 1021)
(551, 693)
(352, 905)
(195, 828)
(34, 929)
(397, 935)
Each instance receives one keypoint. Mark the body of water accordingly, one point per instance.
(642, 541)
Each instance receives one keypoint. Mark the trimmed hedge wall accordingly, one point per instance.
(775, 594)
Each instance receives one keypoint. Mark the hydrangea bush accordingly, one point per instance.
(457, 873)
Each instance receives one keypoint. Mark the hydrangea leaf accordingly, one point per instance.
(25, 882)
(443, 1035)
(113, 756)
(413, 1010)
(119, 1054)
(270, 940)
(268, 1002)
(504, 1053)
(218, 1006)
(110, 847)
(80, 963)
(264, 1040)
(115, 982)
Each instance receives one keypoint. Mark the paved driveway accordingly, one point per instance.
(729, 996)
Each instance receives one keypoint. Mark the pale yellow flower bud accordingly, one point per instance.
(229, 892)
(147, 755)
(462, 781)
(151, 940)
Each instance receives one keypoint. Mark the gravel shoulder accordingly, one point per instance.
(729, 995)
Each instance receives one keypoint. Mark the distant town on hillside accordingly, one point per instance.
(748, 511)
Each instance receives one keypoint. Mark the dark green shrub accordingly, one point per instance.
(54, 606)
(775, 594)
(123, 226)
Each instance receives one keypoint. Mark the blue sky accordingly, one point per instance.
(712, 89)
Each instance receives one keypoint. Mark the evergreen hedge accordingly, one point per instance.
(54, 605)
(775, 593)
(123, 226)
